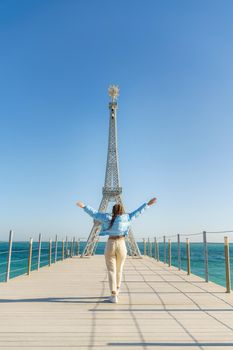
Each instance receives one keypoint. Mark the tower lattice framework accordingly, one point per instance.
(111, 190)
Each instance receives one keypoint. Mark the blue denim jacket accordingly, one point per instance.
(121, 224)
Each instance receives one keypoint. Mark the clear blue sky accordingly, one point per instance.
(173, 63)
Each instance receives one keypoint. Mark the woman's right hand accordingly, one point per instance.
(152, 201)
(80, 204)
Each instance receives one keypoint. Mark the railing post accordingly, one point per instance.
(74, 250)
(144, 246)
(169, 253)
(50, 251)
(63, 243)
(71, 248)
(155, 247)
(75, 247)
(73, 244)
(227, 264)
(178, 252)
(164, 249)
(188, 255)
(205, 256)
(9, 256)
(55, 256)
(30, 256)
(157, 250)
(39, 252)
(66, 248)
(78, 246)
(151, 249)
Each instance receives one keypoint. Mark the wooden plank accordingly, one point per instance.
(66, 306)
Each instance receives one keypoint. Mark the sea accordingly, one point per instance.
(216, 258)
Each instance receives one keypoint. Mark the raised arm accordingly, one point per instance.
(102, 217)
(141, 209)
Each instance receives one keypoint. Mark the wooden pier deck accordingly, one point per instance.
(66, 306)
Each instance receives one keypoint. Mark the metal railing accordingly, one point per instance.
(164, 244)
(17, 261)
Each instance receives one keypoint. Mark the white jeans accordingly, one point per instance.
(115, 254)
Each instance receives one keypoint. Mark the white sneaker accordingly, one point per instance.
(113, 298)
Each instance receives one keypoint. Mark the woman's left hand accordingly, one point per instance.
(152, 201)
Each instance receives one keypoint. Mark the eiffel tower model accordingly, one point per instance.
(111, 190)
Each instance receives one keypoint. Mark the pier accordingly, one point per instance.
(65, 306)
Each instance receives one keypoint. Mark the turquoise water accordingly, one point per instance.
(19, 260)
(216, 260)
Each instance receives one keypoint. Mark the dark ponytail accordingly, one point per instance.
(116, 210)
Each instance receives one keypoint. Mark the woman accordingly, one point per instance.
(116, 226)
